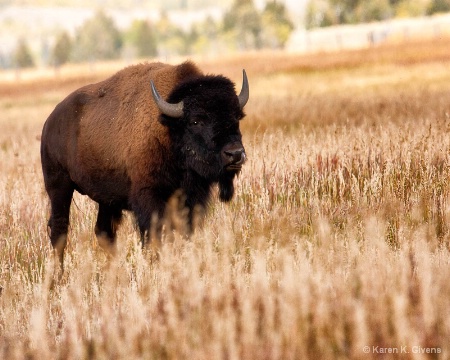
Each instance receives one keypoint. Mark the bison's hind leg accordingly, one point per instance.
(108, 220)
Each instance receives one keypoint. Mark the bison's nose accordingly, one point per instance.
(233, 156)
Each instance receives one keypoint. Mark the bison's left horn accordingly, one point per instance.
(244, 94)
(172, 110)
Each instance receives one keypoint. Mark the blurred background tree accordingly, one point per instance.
(368, 11)
(438, 6)
(170, 38)
(97, 39)
(320, 13)
(61, 50)
(205, 36)
(335, 12)
(22, 56)
(276, 25)
(243, 25)
(141, 36)
(408, 8)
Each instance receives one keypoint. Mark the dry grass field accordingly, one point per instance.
(336, 245)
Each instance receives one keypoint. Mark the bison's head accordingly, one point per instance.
(203, 115)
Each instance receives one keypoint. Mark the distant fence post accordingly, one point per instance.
(371, 38)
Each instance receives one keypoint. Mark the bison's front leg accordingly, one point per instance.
(108, 219)
(149, 211)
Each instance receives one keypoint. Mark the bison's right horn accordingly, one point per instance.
(172, 110)
(244, 94)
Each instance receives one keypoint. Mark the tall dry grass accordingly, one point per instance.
(337, 238)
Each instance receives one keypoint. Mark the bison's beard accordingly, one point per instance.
(201, 162)
(226, 187)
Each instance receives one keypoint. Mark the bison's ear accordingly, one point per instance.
(245, 93)
(172, 110)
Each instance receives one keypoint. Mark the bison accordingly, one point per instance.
(120, 143)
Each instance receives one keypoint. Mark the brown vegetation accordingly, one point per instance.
(338, 237)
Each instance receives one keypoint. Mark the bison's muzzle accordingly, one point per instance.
(233, 156)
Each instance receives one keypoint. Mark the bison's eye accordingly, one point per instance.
(199, 119)
(196, 122)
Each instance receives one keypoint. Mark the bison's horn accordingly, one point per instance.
(244, 94)
(172, 110)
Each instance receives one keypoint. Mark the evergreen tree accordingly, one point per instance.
(438, 6)
(277, 26)
(320, 13)
(22, 56)
(142, 37)
(410, 8)
(171, 39)
(204, 36)
(334, 12)
(61, 50)
(367, 11)
(97, 39)
(243, 23)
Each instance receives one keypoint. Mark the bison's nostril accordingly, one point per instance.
(234, 153)
(235, 156)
